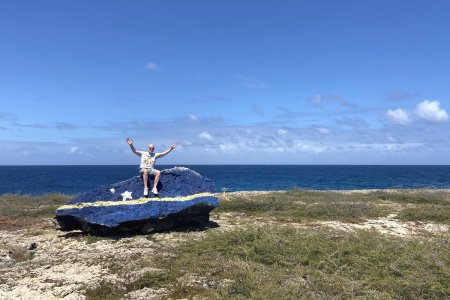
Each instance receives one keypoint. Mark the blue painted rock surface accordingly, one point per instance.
(185, 197)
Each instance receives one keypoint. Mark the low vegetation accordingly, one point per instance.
(25, 211)
(426, 213)
(280, 249)
(300, 206)
(12, 205)
(283, 262)
(279, 262)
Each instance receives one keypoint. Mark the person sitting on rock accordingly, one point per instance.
(147, 164)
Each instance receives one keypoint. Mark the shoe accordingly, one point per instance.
(155, 191)
(145, 192)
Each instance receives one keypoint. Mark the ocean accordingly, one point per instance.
(38, 180)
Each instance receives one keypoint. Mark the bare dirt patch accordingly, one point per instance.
(391, 226)
(8, 223)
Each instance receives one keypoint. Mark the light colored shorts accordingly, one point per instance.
(150, 170)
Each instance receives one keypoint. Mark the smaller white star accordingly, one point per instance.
(126, 195)
(112, 190)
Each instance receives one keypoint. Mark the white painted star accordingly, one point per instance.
(126, 195)
(112, 190)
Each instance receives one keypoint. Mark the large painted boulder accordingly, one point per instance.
(185, 198)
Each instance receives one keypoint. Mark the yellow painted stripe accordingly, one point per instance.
(133, 202)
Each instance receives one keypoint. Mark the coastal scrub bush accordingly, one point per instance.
(155, 279)
(24, 211)
(286, 263)
(104, 291)
(305, 205)
(111, 291)
(12, 205)
(414, 196)
(426, 213)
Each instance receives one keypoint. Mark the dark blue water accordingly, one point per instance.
(76, 179)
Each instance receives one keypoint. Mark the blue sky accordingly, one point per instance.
(232, 82)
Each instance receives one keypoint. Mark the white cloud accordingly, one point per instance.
(152, 66)
(205, 136)
(391, 139)
(281, 131)
(398, 116)
(308, 148)
(212, 140)
(227, 147)
(385, 147)
(192, 117)
(73, 150)
(323, 130)
(431, 111)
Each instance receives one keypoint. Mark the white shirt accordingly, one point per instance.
(148, 159)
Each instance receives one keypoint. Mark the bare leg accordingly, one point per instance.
(157, 173)
(145, 178)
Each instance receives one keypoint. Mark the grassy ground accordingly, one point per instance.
(276, 247)
(22, 211)
(287, 263)
(284, 262)
(300, 206)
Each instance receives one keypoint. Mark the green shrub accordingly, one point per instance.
(19, 206)
(414, 196)
(286, 263)
(298, 206)
(426, 213)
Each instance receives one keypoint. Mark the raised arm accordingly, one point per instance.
(173, 146)
(130, 142)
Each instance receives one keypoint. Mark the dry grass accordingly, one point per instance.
(284, 262)
(273, 258)
(22, 211)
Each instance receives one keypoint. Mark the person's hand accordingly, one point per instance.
(129, 141)
(173, 146)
